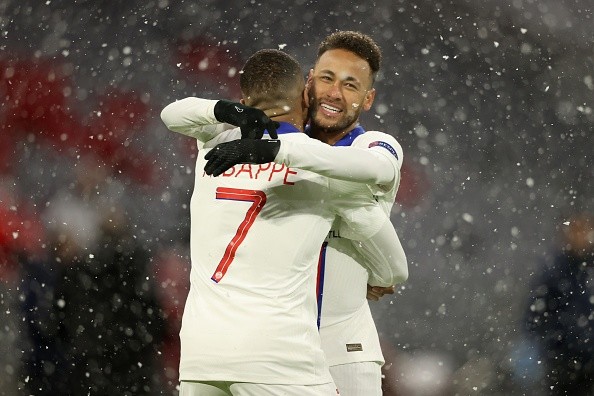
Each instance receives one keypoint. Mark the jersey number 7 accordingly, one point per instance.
(258, 199)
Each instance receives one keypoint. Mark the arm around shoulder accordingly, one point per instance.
(343, 163)
(193, 117)
(387, 146)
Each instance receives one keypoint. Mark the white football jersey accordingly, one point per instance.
(256, 234)
(347, 327)
(256, 239)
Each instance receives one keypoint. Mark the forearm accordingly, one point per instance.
(343, 163)
(193, 117)
(384, 257)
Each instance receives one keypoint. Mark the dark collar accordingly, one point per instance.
(347, 139)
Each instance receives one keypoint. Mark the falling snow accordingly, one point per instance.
(491, 102)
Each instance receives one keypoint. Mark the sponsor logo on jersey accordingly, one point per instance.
(354, 347)
(334, 234)
(386, 146)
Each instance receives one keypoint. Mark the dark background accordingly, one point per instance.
(491, 101)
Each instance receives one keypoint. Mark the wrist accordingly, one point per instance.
(224, 111)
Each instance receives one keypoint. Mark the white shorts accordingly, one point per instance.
(358, 379)
(221, 388)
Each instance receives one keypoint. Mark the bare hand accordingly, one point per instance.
(374, 293)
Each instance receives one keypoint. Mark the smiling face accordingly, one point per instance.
(339, 89)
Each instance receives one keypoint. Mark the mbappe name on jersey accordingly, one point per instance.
(266, 172)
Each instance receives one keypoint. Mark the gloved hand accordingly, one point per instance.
(252, 121)
(245, 151)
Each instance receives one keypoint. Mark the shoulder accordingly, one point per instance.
(375, 136)
(381, 141)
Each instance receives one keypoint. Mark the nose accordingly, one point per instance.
(334, 91)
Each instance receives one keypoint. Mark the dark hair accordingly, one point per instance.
(356, 42)
(269, 72)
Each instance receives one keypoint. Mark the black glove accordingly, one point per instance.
(253, 122)
(245, 151)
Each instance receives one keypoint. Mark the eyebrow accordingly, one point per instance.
(349, 78)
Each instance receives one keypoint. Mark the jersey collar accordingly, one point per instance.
(347, 139)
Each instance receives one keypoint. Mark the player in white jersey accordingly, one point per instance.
(341, 86)
(349, 336)
(249, 322)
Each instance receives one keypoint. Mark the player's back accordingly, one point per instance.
(255, 239)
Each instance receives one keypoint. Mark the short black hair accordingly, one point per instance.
(356, 42)
(269, 73)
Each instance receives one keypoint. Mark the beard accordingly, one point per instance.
(318, 121)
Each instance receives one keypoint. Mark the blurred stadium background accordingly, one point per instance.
(491, 101)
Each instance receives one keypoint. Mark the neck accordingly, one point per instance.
(329, 136)
(326, 136)
(281, 114)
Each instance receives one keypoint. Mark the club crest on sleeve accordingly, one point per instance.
(386, 146)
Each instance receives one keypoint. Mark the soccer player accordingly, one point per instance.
(340, 88)
(249, 325)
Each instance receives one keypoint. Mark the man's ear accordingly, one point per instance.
(305, 95)
(308, 86)
(242, 101)
(305, 99)
(368, 101)
(309, 78)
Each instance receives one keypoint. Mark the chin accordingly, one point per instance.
(327, 124)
